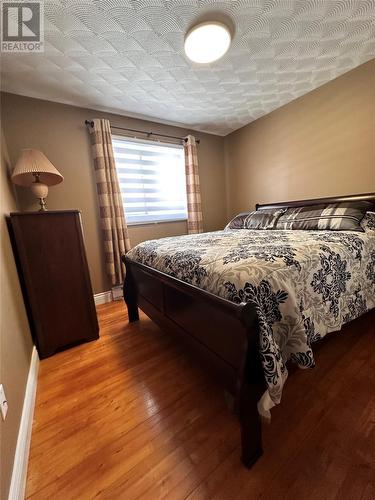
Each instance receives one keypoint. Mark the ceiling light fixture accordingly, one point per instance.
(207, 42)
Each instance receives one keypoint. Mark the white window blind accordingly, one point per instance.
(152, 180)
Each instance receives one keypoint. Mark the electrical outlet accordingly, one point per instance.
(3, 403)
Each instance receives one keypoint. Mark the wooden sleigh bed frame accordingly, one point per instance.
(222, 335)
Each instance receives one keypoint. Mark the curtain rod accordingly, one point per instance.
(149, 134)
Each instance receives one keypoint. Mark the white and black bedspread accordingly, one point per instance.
(304, 284)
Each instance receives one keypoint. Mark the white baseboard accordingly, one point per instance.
(19, 474)
(117, 292)
(103, 298)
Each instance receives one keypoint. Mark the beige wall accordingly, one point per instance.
(321, 144)
(15, 339)
(59, 131)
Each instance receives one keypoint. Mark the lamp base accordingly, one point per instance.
(40, 190)
(42, 203)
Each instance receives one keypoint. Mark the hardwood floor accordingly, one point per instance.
(129, 416)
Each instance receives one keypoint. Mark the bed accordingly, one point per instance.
(248, 301)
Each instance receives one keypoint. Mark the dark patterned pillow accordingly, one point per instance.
(368, 222)
(344, 216)
(260, 219)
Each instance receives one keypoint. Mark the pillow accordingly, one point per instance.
(368, 222)
(344, 216)
(260, 219)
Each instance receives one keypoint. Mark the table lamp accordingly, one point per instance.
(33, 169)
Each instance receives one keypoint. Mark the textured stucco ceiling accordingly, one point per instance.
(127, 57)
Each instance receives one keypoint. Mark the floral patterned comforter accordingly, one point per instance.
(304, 284)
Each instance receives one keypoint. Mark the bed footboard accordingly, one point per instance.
(130, 293)
(222, 335)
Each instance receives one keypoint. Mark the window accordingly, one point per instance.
(152, 180)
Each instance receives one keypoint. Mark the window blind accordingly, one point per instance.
(152, 180)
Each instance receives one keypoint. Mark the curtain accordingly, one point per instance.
(195, 221)
(112, 216)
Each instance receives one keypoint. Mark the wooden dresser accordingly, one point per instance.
(52, 265)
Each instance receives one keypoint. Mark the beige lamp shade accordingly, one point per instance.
(31, 162)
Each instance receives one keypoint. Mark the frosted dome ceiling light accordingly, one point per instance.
(207, 42)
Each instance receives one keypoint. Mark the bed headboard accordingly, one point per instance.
(370, 197)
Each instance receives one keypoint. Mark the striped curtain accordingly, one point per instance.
(112, 217)
(195, 221)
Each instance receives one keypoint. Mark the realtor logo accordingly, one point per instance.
(22, 27)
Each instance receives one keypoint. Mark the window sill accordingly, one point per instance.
(149, 223)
